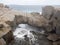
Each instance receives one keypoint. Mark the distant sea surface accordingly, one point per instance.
(27, 8)
(30, 8)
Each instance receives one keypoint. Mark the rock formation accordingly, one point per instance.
(47, 11)
(53, 27)
(49, 20)
(6, 35)
(2, 41)
(9, 19)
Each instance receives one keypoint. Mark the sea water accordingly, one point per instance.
(27, 8)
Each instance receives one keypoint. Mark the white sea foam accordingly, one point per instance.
(20, 32)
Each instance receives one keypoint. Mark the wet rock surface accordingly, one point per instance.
(33, 36)
(8, 37)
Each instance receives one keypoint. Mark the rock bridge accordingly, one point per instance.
(10, 18)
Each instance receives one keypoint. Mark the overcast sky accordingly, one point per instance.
(31, 2)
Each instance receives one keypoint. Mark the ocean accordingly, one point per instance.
(27, 8)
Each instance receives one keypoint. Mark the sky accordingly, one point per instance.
(31, 2)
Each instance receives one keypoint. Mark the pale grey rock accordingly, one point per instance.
(48, 11)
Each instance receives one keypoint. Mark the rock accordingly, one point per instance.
(48, 28)
(1, 5)
(6, 6)
(49, 20)
(31, 20)
(53, 16)
(53, 37)
(56, 43)
(1, 26)
(57, 21)
(35, 13)
(2, 41)
(12, 24)
(41, 39)
(8, 37)
(58, 30)
(47, 12)
(6, 33)
(44, 42)
(5, 29)
(17, 17)
(20, 19)
(37, 21)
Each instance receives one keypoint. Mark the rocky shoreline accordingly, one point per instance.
(49, 20)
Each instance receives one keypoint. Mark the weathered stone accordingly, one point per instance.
(48, 11)
(6, 6)
(56, 43)
(53, 15)
(44, 42)
(1, 26)
(53, 37)
(35, 13)
(57, 21)
(31, 20)
(12, 24)
(2, 41)
(1, 5)
(8, 37)
(48, 28)
(20, 17)
(5, 29)
(41, 39)
(49, 20)
(58, 30)
(6, 32)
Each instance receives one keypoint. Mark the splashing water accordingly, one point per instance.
(21, 31)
